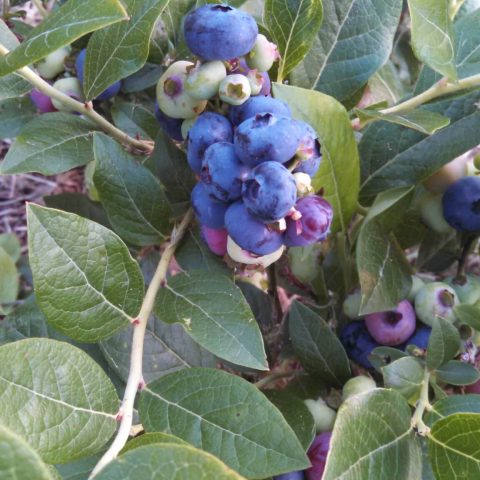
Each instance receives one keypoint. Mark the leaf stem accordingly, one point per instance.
(135, 377)
(6, 9)
(423, 404)
(85, 109)
(41, 9)
(455, 6)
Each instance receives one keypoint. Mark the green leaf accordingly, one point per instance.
(7, 38)
(62, 27)
(15, 113)
(411, 156)
(10, 243)
(215, 314)
(225, 415)
(18, 460)
(443, 343)
(354, 42)
(133, 198)
(295, 413)
(78, 470)
(404, 375)
(51, 143)
(338, 146)
(372, 438)
(77, 401)
(167, 462)
(316, 346)
(469, 315)
(84, 269)
(115, 52)
(455, 372)
(260, 302)
(453, 447)
(383, 270)
(421, 120)
(12, 86)
(386, 85)
(167, 348)
(380, 357)
(9, 281)
(135, 119)
(293, 26)
(149, 438)
(432, 35)
(437, 252)
(146, 77)
(467, 403)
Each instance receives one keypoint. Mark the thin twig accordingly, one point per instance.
(423, 404)
(41, 9)
(135, 380)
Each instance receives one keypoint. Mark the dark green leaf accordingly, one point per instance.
(135, 120)
(421, 120)
(215, 314)
(115, 52)
(338, 147)
(437, 252)
(71, 21)
(295, 413)
(18, 460)
(353, 43)
(145, 78)
(149, 438)
(167, 462)
(453, 446)
(225, 415)
(432, 35)
(469, 315)
(404, 375)
(457, 373)
(293, 26)
(316, 346)
(51, 143)
(386, 85)
(133, 198)
(469, 403)
(260, 303)
(84, 269)
(79, 470)
(443, 343)
(77, 401)
(15, 113)
(372, 438)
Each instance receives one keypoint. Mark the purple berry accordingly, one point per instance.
(209, 128)
(270, 191)
(317, 454)
(392, 327)
(249, 233)
(209, 210)
(222, 172)
(172, 126)
(109, 92)
(42, 102)
(461, 205)
(219, 32)
(358, 343)
(299, 475)
(314, 224)
(256, 105)
(266, 137)
(308, 151)
(267, 84)
(216, 239)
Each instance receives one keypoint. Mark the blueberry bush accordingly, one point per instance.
(273, 272)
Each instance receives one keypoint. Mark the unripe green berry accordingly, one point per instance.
(467, 289)
(187, 125)
(70, 86)
(53, 64)
(447, 175)
(417, 284)
(356, 385)
(436, 299)
(431, 212)
(203, 81)
(263, 54)
(235, 89)
(304, 184)
(323, 415)
(89, 185)
(237, 254)
(256, 82)
(351, 305)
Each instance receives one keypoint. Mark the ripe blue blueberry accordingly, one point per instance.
(249, 233)
(256, 105)
(314, 224)
(461, 205)
(209, 210)
(208, 129)
(269, 192)
(392, 327)
(358, 343)
(419, 338)
(436, 299)
(219, 32)
(172, 126)
(238, 254)
(308, 151)
(299, 475)
(222, 172)
(109, 92)
(266, 137)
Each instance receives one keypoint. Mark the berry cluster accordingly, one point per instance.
(254, 161)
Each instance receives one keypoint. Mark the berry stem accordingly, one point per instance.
(422, 405)
(41, 9)
(6, 9)
(468, 242)
(84, 108)
(455, 6)
(135, 377)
